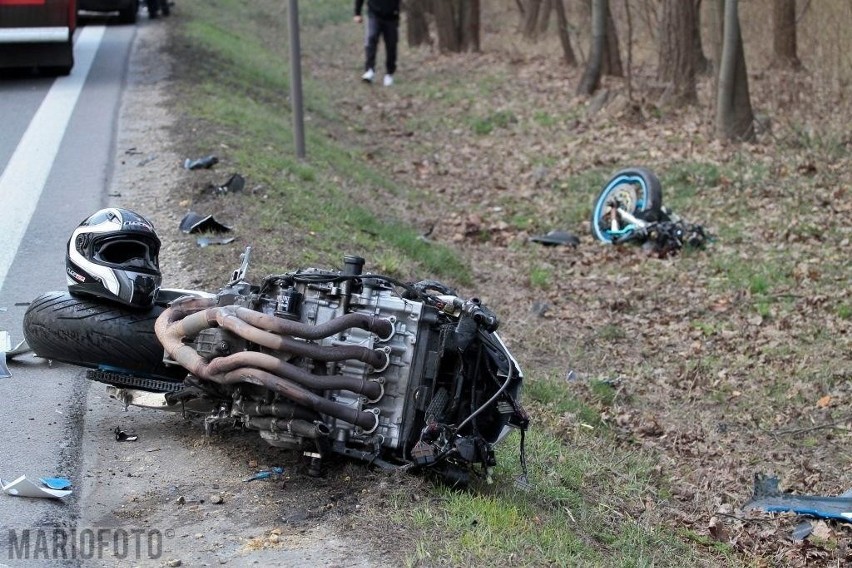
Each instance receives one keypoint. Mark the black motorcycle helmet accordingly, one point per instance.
(113, 254)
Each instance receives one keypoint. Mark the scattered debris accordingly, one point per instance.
(235, 184)
(23, 487)
(147, 160)
(122, 436)
(555, 238)
(206, 162)
(539, 308)
(669, 235)
(217, 499)
(9, 352)
(56, 482)
(802, 531)
(5, 346)
(19, 349)
(192, 222)
(266, 474)
(769, 498)
(207, 241)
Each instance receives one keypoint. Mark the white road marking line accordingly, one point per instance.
(23, 180)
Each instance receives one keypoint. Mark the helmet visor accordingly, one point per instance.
(140, 253)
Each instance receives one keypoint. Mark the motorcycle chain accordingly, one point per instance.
(131, 381)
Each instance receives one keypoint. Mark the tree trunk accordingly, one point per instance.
(457, 23)
(564, 38)
(417, 28)
(734, 116)
(784, 46)
(531, 10)
(717, 29)
(469, 25)
(702, 64)
(592, 75)
(445, 26)
(612, 52)
(628, 13)
(677, 50)
(544, 16)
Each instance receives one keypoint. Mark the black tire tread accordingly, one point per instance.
(88, 333)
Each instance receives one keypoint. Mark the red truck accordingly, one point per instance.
(38, 33)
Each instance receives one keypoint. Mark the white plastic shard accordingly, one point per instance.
(23, 487)
(5, 346)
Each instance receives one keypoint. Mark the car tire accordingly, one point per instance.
(128, 15)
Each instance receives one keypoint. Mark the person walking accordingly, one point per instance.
(382, 21)
(155, 7)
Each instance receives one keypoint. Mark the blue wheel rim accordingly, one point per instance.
(607, 235)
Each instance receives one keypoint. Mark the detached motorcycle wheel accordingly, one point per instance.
(635, 190)
(88, 333)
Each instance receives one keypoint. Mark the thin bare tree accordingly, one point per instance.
(591, 79)
(564, 37)
(734, 116)
(612, 51)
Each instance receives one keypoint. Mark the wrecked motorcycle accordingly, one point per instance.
(399, 375)
(630, 208)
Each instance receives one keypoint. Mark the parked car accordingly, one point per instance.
(38, 33)
(127, 9)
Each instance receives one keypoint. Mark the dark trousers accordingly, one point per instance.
(388, 30)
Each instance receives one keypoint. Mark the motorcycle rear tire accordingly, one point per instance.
(97, 334)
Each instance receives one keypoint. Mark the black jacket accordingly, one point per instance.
(381, 8)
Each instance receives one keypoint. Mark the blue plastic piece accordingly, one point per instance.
(266, 474)
(56, 482)
(768, 497)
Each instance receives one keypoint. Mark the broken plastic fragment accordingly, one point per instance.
(8, 352)
(23, 487)
(235, 184)
(769, 498)
(19, 349)
(56, 482)
(802, 531)
(192, 222)
(205, 162)
(122, 436)
(207, 241)
(557, 237)
(266, 474)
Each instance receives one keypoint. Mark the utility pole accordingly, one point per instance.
(296, 81)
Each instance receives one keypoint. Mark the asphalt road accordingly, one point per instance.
(56, 152)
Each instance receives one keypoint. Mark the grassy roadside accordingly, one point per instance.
(585, 506)
(238, 100)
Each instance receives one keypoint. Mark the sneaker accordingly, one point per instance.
(388, 80)
(368, 75)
